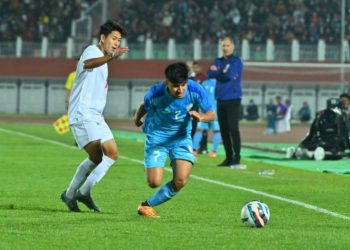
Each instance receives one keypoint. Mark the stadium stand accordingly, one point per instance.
(280, 20)
(33, 19)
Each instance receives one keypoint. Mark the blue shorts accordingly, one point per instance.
(214, 125)
(156, 153)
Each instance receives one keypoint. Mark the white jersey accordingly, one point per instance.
(89, 93)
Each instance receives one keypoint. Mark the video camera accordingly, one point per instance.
(333, 103)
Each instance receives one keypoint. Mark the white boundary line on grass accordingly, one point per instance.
(219, 183)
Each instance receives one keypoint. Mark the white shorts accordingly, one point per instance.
(87, 131)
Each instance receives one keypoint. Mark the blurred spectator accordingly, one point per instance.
(280, 20)
(281, 108)
(289, 107)
(198, 74)
(191, 74)
(271, 110)
(345, 99)
(284, 115)
(304, 112)
(33, 19)
(252, 111)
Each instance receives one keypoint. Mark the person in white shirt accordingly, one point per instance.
(86, 105)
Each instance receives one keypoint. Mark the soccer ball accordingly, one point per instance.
(255, 214)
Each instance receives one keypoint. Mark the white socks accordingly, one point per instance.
(96, 175)
(80, 175)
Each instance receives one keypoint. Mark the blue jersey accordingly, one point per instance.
(209, 85)
(167, 116)
(229, 84)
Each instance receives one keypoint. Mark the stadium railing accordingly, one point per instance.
(196, 50)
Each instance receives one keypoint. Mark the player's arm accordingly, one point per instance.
(97, 62)
(202, 117)
(214, 70)
(140, 113)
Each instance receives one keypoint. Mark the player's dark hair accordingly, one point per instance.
(177, 72)
(110, 26)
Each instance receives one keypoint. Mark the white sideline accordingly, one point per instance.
(219, 183)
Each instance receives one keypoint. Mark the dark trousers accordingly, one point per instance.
(228, 116)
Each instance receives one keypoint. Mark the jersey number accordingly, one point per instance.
(156, 155)
(177, 113)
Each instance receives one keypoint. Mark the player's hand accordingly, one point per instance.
(214, 68)
(117, 52)
(121, 51)
(195, 115)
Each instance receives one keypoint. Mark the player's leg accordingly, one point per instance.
(233, 121)
(154, 176)
(181, 158)
(196, 140)
(155, 158)
(203, 147)
(181, 173)
(154, 180)
(81, 136)
(164, 193)
(104, 150)
(101, 169)
(214, 126)
(198, 136)
(223, 112)
(216, 142)
(85, 168)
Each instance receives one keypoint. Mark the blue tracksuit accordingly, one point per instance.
(228, 86)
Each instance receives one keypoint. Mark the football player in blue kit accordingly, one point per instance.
(209, 86)
(168, 107)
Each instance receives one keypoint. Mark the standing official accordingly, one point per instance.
(227, 70)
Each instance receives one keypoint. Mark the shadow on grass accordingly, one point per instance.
(263, 157)
(17, 208)
(42, 209)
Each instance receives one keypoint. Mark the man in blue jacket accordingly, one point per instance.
(227, 70)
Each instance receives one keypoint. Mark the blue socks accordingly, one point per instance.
(216, 141)
(196, 140)
(164, 193)
(198, 137)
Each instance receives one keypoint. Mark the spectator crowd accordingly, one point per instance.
(33, 19)
(183, 20)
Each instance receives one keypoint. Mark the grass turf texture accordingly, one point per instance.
(203, 215)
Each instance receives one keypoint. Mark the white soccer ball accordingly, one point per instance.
(255, 214)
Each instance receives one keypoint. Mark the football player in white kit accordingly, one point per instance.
(86, 104)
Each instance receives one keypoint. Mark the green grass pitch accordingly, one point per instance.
(36, 165)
